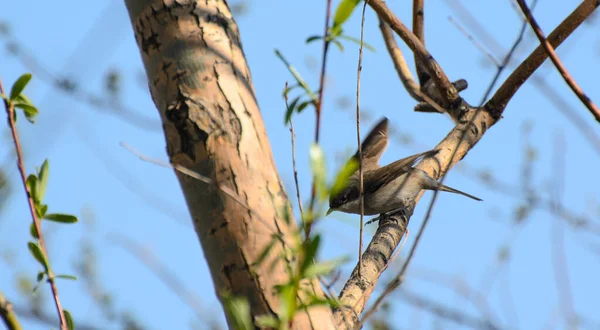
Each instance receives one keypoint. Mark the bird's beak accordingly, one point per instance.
(329, 211)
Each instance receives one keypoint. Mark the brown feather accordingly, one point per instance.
(388, 173)
(374, 144)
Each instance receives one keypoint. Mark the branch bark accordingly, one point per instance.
(201, 86)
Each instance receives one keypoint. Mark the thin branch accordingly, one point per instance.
(360, 159)
(557, 63)
(226, 190)
(10, 112)
(319, 107)
(163, 272)
(30, 314)
(474, 41)
(8, 315)
(293, 134)
(512, 84)
(447, 91)
(406, 77)
(506, 59)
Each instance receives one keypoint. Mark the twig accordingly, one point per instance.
(10, 111)
(163, 272)
(293, 134)
(474, 41)
(512, 84)
(319, 106)
(559, 262)
(448, 92)
(506, 59)
(360, 160)
(406, 77)
(557, 63)
(226, 190)
(7, 314)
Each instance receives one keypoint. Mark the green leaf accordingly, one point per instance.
(341, 180)
(19, 85)
(43, 179)
(238, 310)
(33, 231)
(296, 75)
(338, 44)
(357, 41)
(30, 111)
(41, 209)
(22, 99)
(313, 38)
(40, 276)
(32, 185)
(323, 268)
(66, 277)
(62, 218)
(69, 320)
(342, 13)
(310, 252)
(36, 252)
(303, 105)
(267, 321)
(287, 90)
(290, 109)
(317, 162)
(287, 301)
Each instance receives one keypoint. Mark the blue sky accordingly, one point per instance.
(90, 171)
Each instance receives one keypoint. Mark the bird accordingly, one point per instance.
(386, 188)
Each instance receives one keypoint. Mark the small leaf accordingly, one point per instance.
(357, 41)
(40, 276)
(43, 179)
(323, 268)
(238, 310)
(303, 105)
(341, 180)
(338, 44)
(69, 320)
(22, 99)
(32, 185)
(33, 231)
(313, 38)
(41, 209)
(19, 85)
(36, 252)
(317, 162)
(267, 321)
(66, 277)
(296, 75)
(290, 110)
(287, 301)
(310, 252)
(30, 111)
(342, 13)
(62, 218)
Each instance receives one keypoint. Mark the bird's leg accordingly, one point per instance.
(401, 211)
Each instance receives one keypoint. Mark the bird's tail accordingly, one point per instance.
(456, 191)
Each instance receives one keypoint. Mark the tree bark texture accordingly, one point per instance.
(201, 85)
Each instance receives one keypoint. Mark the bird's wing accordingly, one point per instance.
(374, 144)
(378, 178)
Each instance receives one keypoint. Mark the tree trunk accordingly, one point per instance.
(201, 85)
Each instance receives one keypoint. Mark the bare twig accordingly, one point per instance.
(319, 107)
(293, 136)
(512, 84)
(474, 41)
(162, 271)
(506, 59)
(360, 160)
(448, 92)
(557, 63)
(226, 190)
(559, 262)
(10, 112)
